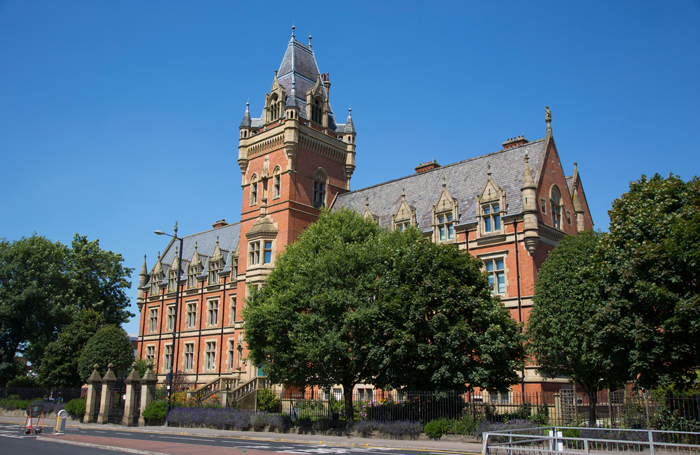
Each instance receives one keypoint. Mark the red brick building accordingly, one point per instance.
(509, 208)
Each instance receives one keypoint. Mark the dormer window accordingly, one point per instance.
(275, 108)
(491, 215)
(172, 279)
(215, 268)
(192, 273)
(446, 229)
(155, 281)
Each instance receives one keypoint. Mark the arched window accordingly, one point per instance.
(317, 110)
(319, 188)
(555, 200)
(254, 190)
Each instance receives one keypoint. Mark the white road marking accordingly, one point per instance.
(190, 439)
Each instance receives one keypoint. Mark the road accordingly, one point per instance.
(12, 440)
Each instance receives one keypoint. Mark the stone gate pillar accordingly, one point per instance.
(130, 400)
(94, 382)
(106, 400)
(148, 391)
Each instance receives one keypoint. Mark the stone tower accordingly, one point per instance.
(294, 159)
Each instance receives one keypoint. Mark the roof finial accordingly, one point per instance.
(293, 27)
(488, 170)
(159, 255)
(548, 119)
(403, 193)
(309, 39)
(217, 239)
(195, 246)
(444, 183)
(247, 106)
(366, 201)
(176, 229)
(527, 158)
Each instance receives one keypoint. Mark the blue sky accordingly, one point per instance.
(119, 118)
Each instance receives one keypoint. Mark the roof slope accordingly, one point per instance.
(464, 181)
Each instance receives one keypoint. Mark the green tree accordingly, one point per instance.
(650, 321)
(562, 338)
(330, 314)
(59, 367)
(109, 345)
(43, 284)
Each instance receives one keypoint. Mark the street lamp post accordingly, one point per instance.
(169, 377)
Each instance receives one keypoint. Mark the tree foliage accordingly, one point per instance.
(349, 299)
(650, 323)
(109, 345)
(59, 367)
(562, 336)
(42, 286)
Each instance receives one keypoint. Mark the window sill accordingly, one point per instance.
(486, 239)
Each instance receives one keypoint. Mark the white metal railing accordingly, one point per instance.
(551, 440)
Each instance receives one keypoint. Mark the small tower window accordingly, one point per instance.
(317, 111)
(254, 190)
(555, 200)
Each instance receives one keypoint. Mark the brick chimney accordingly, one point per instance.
(514, 142)
(326, 83)
(219, 224)
(430, 165)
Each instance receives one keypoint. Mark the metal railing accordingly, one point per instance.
(554, 440)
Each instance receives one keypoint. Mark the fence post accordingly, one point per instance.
(485, 444)
(651, 442)
(106, 400)
(646, 405)
(148, 392)
(130, 400)
(92, 383)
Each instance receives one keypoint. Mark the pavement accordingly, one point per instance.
(152, 447)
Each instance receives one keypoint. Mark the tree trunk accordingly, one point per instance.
(592, 408)
(349, 410)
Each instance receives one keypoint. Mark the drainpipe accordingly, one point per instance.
(520, 306)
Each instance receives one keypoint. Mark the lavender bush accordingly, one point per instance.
(396, 428)
(503, 426)
(227, 419)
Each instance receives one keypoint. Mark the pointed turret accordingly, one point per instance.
(143, 278)
(350, 140)
(578, 208)
(529, 194)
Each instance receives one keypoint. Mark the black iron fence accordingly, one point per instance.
(622, 409)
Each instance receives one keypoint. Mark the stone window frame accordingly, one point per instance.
(401, 223)
(275, 107)
(556, 204)
(254, 190)
(485, 205)
(490, 217)
(445, 226)
(170, 318)
(257, 252)
(213, 312)
(215, 268)
(277, 182)
(155, 282)
(151, 354)
(232, 309)
(231, 354)
(568, 217)
(172, 279)
(152, 319)
(320, 188)
(191, 314)
(543, 206)
(447, 211)
(192, 273)
(188, 357)
(494, 256)
(254, 253)
(317, 103)
(209, 355)
(168, 357)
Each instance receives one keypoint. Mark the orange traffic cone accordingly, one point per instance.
(28, 426)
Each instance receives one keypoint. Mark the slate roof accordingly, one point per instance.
(298, 69)
(464, 181)
(206, 242)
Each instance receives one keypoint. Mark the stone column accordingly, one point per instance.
(130, 400)
(94, 383)
(148, 392)
(106, 402)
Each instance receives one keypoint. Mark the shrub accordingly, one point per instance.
(76, 407)
(436, 428)
(503, 426)
(365, 427)
(465, 425)
(402, 429)
(268, 401)
(258, 421)
(155, 410)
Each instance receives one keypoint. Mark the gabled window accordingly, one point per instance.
(445, 225)
(192, 274)
(317, 111)
(491, 216)
(155, 281)
(172, 279)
